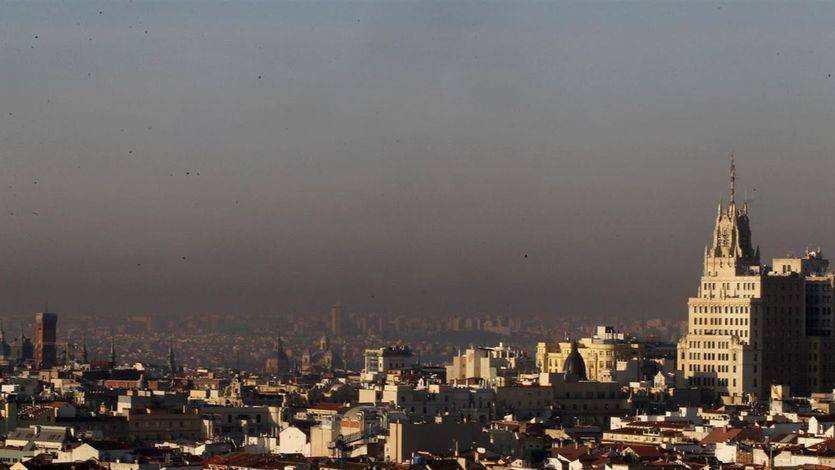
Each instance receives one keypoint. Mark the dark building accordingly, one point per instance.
(22, 349)
(45, 334)
(336, 321)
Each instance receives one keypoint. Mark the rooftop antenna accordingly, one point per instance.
(733, 179)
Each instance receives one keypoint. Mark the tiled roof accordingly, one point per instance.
(257, 461)
(725, 434)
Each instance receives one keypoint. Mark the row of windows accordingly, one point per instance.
(713, 381)
(732, 356)
(711, 368)
(720, 309)
(818, 286)
(710, 344)
(710, 356)
(727, 285)
(740, 333)
(719, 321)
(586, 406)
(783, 310)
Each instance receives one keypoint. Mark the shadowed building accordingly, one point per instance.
(336, 321)
(278, 364)
(45, 334)
(814, 270)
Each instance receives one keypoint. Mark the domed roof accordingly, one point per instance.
(574, 367)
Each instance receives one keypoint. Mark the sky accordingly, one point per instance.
(522, 158)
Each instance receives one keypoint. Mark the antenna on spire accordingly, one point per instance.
(733, 179)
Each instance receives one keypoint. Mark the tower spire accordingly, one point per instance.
(732, 180)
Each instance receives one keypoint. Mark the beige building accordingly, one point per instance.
(381, 361)
(161, 425)
(747, 325)
(601, 354)
(440, 437)
(488, 366)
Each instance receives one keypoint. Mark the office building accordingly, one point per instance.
(747, 323)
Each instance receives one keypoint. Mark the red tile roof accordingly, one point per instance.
(326, 406)
(725, 434)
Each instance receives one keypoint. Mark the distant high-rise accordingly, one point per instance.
(336, 321)
(84, 354)
(22, 348)
(45, 335)
(112, 350)
(5, 348)
(172, 365)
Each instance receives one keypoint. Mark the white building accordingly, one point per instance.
(378, 362)
(487, 366)
(294, 440)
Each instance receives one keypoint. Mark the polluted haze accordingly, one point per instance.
(412, 157)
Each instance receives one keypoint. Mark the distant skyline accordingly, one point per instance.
(514, 158)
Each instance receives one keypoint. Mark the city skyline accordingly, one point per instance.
(456, 235)
(400, 157)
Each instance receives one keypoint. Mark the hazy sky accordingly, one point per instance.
(402, 156)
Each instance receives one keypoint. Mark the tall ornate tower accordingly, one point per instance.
(733, 344)
(731, 252)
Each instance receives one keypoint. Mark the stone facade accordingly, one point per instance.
(601, 354)
(747, 326)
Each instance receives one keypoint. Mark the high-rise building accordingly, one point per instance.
(45, 335)
(172, 364)
(336, 321)
(5, 348)
(746, 326)
(813, 269)
(112, 350)
(22, 348)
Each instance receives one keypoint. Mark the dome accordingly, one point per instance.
(574, 367)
